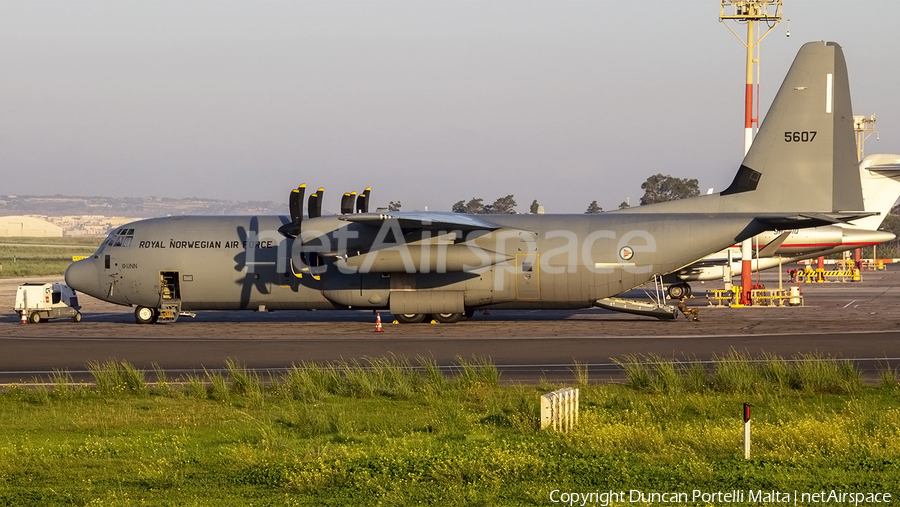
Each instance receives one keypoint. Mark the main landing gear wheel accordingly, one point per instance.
(447, 318)
(679, 290)
(409, 318)
(145, 315)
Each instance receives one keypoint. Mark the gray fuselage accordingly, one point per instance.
(528, 261)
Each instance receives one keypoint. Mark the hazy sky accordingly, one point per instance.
(428, 102)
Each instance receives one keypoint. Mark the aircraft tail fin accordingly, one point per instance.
(803, 158)
(804, 155)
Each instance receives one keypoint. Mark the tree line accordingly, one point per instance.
(501, 206)
(657, 188)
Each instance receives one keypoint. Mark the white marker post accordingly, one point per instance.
(746, 430)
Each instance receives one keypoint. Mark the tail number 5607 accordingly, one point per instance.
(800, 137)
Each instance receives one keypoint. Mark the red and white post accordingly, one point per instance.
(749, 12)
(747, 245)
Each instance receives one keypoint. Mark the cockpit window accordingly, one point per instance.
(119, 237)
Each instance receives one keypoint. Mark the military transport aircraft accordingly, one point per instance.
(447, 264)
(880, 180)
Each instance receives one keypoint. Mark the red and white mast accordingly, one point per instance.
(750, 12)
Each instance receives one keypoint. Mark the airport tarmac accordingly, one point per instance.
(853, 320)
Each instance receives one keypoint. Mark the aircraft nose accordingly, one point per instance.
(83, 276)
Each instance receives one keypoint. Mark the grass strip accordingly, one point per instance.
(396, 432)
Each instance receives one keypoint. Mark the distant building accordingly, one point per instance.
(28, 226)
(89, 225)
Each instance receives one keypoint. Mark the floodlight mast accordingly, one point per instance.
(864, 128)
(750, 12)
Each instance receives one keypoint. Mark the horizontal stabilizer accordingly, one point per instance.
(880, 162)
(804, 220)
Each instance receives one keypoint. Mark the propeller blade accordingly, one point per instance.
(314, 207)
(290, 230)
(347, 203)
(296, 203)
(362, 202)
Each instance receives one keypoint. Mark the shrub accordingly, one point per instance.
(114, 377)
(734, 373)
(243, 381)
(637, 372)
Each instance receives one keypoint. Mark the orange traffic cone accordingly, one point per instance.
(378, 328)
(24, 317)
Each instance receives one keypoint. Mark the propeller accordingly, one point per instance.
(362, 202)
(315, 203)
(347, 203)
(295, 201)
(314, 210)
(246, 259)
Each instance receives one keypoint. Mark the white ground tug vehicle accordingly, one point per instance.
(44, 301)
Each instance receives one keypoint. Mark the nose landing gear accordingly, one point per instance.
(145, 315)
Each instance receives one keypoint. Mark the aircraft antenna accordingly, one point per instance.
(750, 12)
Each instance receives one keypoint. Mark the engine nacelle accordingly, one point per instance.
(422, 259)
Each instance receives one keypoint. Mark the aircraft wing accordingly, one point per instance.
(424, 220)
(769, 250)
